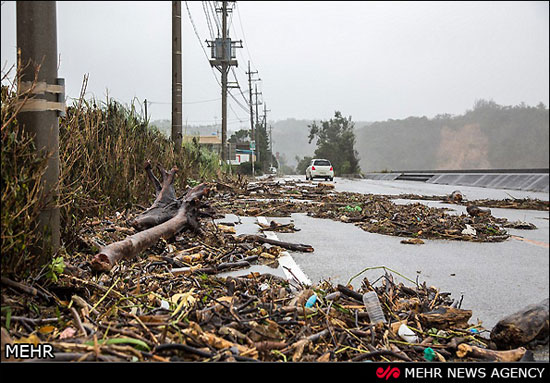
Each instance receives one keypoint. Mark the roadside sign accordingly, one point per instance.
(252, 145)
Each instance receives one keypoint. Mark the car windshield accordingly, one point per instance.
(322, 163)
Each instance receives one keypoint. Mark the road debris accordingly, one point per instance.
(168, 301)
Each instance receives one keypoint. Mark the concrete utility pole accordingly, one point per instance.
(223, 58)
(257, 117)
(224, 70)
(177, 85)
(270, 147)
(270, 142)
(37, 44)
(252, 137)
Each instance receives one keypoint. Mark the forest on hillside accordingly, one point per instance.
(489, 136)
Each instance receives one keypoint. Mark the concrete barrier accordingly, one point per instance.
(527, 182)
(538, 182)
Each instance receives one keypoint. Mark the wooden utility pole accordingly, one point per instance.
(223, 58)
(177, 85)
(39, 116)
(250, 94)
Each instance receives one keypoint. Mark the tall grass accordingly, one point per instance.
(103, 147)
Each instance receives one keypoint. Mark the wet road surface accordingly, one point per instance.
(496, 279)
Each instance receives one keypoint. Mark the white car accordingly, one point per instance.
(320, 168)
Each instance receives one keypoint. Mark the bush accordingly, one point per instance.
(102, 152)
(245, 168)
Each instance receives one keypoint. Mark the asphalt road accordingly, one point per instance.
(495, 279)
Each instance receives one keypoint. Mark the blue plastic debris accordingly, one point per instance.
(311, 301)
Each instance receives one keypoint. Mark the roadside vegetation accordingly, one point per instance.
(103, 147)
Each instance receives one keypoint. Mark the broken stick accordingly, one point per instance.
(286, 245)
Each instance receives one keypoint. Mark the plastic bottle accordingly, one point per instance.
(372, 304)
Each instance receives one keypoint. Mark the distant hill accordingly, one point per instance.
(489, 136)
(165, 126)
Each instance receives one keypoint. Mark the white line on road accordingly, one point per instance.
(290, 267)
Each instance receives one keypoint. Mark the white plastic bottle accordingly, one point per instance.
(372, 304)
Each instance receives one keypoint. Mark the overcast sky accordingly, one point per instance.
(371, 60)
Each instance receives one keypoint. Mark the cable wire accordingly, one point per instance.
(208, 21)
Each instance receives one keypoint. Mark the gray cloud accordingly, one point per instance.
(371, 60)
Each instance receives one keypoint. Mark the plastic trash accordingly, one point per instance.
(429, 354)
(311, 301)
(469, 230)
(333, 296)
(407, 334)
(372, 304)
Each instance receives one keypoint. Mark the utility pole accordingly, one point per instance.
(252, 137)
(257, 117)
(224, 70)
(37, 45)
(177, 85)
(223, 55)
(270, 147)
(270, 141)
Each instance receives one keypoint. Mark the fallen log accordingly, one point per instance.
(482, 353)
(522, 327)
(131, 246)
(286, 245)
(166, 203)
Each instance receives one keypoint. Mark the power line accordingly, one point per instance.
(244, 39)
(239, 103)
(213, 11)
(200, 43)
(189, 102)
(206, 55)
(239, 85)
(208, 21)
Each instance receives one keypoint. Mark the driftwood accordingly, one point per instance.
(444, 317)
(522, 327)
(186, 216)
(482, 353)
(286, 245)
(166, 204)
